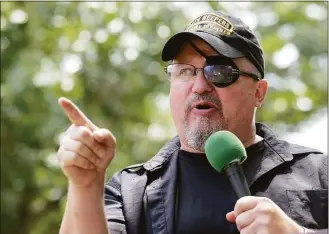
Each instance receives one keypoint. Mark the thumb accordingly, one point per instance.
(230, 216)
(104, 136)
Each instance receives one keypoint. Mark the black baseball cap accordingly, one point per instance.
(226, 34)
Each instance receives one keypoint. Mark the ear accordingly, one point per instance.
(260, 93)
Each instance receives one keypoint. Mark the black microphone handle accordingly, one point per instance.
(235, 174)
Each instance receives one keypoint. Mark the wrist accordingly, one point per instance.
(95, 189)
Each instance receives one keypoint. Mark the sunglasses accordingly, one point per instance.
(219, 75)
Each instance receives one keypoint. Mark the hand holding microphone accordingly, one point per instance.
(225, 152)
(261, 215)
(86, 150)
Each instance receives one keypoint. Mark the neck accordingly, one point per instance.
(187, 148)
(251, 137)
(252, 140)
(247, 140)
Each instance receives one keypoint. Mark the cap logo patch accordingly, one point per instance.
(211, 22)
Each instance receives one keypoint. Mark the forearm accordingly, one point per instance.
(84, 213)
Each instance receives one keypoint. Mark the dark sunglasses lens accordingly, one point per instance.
(220, 75)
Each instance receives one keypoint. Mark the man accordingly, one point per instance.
(216, 70)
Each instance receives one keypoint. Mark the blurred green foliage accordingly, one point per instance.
(106, 58)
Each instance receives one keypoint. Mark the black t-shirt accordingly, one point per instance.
(204, 196)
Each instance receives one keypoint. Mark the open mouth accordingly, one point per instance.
(203, 107)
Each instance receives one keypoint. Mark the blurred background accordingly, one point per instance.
(105, 56)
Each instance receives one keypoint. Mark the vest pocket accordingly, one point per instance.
(309, 208)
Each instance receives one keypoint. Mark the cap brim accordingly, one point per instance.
(175, 43)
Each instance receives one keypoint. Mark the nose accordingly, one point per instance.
(201, 85)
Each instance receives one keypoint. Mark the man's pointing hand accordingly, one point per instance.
(86, 150)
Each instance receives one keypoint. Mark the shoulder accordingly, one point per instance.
(304, 163)
(299, 149)
(313, 163)
(282, 147)
(308, 154)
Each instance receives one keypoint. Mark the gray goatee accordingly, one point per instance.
(196, 136)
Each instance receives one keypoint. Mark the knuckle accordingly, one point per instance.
(261, 209)
(72, 156)
(63, 140)
(65, 155)
(65, 143)
(241, 201)
(108, 134)
(265, 200)
(79, 147)
(238, 221)
(84, 132)
(237, 208)
(264, 209)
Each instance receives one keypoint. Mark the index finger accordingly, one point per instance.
(75, 115)
(244, 204)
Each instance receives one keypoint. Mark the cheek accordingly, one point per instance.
(178, 96)
(236, 103)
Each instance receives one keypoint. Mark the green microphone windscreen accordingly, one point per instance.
(223, 148)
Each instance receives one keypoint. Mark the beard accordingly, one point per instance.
(197, 135)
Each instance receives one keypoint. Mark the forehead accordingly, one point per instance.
(203, 46)
(189, 53)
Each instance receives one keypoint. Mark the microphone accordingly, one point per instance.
(225, 152)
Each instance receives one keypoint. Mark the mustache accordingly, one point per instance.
(207, 98)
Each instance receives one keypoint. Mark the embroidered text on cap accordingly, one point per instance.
(210, 22)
